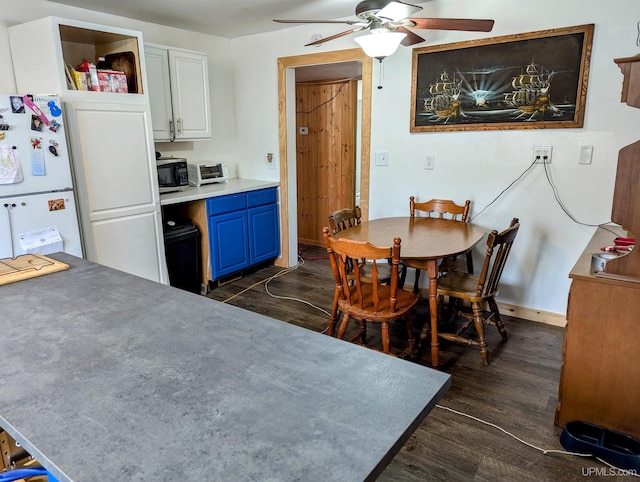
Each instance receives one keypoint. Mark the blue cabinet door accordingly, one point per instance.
(228, 239)
(264, 235)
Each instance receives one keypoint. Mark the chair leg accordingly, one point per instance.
(478, 321)
(402, 275)
(496, 317)
(469, 262)
(410, 339)
(416, 284)
(343, 325)
(384, 329)
(333, 317)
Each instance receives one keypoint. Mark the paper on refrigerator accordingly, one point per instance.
(10, 168)
(41, 241)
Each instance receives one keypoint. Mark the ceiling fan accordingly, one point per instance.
(384, 16)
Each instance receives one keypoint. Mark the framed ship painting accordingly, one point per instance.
(533, 80)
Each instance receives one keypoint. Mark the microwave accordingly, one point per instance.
(173, 174)
(205, 173)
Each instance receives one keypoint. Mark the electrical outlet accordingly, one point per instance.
(271, 161)
(429, 161)
(542, 155)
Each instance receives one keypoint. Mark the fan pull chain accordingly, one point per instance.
(380, 72)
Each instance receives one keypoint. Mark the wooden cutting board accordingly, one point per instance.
(28, 266)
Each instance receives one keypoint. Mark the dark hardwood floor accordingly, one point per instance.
(517, 391)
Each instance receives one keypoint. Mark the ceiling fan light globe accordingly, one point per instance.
(380, 44)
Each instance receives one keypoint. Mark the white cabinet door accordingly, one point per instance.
(190, 94)
(158, 79)
(116, 180)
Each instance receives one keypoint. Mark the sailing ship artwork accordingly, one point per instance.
(521, 83)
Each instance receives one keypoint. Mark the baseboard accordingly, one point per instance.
(555, 319)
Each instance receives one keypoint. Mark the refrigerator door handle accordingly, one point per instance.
(9, 207)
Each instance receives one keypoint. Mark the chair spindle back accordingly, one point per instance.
(347, 272)
(498, 249)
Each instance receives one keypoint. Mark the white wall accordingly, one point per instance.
(474, 165)
(222, 147)
(477, 165)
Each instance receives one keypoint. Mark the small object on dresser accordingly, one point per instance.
(599, 260)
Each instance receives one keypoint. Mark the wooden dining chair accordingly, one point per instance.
(477, 290)
(344, 219)
(338, 221)
(443, 209)
(369, 300)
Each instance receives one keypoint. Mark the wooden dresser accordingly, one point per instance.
(600, 374)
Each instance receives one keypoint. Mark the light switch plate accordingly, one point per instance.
(382, 158)
(586, 154)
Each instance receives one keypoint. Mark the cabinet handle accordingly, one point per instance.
(172, 134)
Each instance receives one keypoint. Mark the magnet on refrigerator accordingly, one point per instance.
(37, 200)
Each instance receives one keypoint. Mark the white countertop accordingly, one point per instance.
(232, 186)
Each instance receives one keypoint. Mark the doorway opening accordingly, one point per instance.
(288, 68)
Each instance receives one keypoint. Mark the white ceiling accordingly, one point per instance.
(225, 18)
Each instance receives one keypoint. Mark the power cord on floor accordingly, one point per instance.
(442, 407)
(266, 280)
(277, 275)
(528, 444)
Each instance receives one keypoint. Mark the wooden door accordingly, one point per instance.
(326, 117)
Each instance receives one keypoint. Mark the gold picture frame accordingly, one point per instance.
(535, 80)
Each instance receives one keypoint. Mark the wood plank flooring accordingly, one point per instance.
(517, 391)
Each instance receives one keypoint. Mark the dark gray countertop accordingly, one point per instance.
(107, 376)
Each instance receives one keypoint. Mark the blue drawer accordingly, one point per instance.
(225, 204)
(263, 196)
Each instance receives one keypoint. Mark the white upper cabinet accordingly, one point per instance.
(45, 52)
(178, 84)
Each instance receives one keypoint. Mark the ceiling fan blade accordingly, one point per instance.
(333, 37)
(411, 38)
(395, 11)
(347, 22)
(453, 24)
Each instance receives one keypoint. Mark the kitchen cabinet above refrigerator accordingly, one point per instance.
(178, 82)
(43, 50)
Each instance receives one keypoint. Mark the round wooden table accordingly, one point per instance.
(423, 240)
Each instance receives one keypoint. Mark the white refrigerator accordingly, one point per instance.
(37, 198)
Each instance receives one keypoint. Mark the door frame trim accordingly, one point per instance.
(285, 63)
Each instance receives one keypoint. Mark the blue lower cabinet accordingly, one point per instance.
(243, 230)
(264, 235)
(229, 250)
